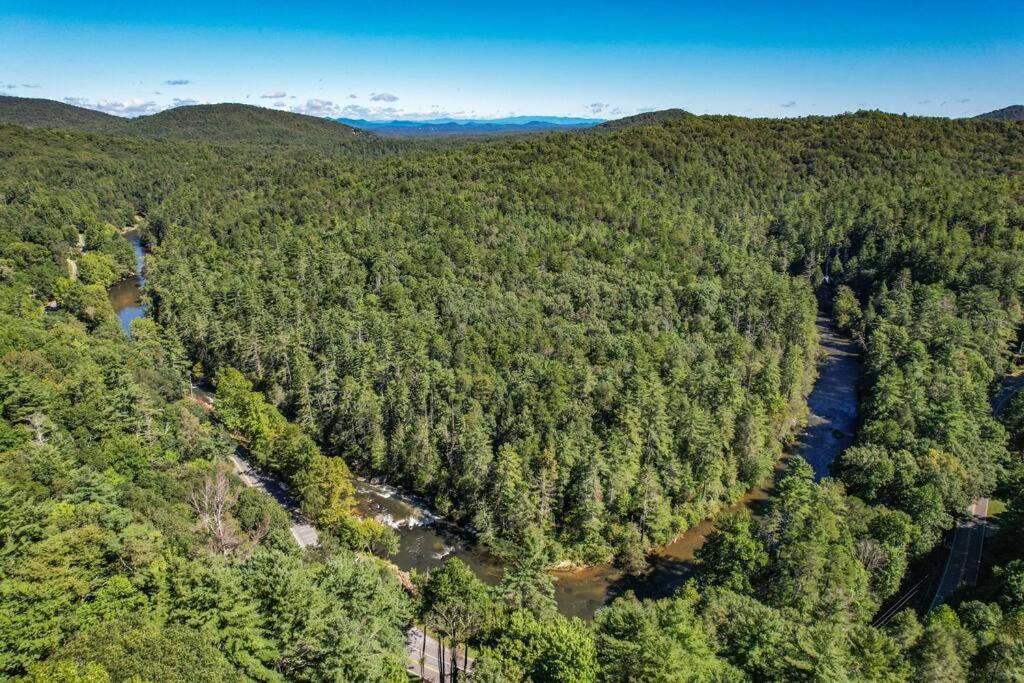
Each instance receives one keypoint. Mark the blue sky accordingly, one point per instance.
(432, 59)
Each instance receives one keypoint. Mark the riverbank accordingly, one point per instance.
(126, 295)
(427, 540)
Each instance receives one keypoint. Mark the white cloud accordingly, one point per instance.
(383, 97)
(317, 107)
(353, 96)
(128, 108)
(273, 95)
(330, 108)
(178, 81)
(186, 102)
(597, 107)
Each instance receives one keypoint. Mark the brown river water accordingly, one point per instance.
(426, 541)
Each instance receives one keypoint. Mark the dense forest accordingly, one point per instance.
(575, 345)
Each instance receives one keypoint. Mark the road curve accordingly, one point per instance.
(303, 531)
(306, 536)
(964, 561)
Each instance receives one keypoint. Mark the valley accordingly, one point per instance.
(544, 357)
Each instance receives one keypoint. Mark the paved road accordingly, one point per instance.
(1011, 385)
(964, 561)
(430, 669)
(306, 535)
(302, 529)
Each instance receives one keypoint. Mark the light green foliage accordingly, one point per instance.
(731, 557)
(655, 641)
(103, 572)
(98, 269)
(547, 650)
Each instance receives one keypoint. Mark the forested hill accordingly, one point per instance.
(1012, 113)
(220, 124)
(34, 112)
(506, 327)
(574, 345)
(644, 119)
(241, 123)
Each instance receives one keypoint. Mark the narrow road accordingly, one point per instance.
(964, 561)
(305, 534)
(1011, 385)
(430, 668)
(302, 529)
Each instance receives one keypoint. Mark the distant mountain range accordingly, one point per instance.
(1011, 113)
(242, 124)
(246, 124)
(453, 127)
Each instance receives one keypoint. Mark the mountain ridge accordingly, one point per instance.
(225, 123)
(469, 127)
(1015, 112)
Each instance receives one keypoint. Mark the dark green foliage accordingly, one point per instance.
(30, 111)
(1014, 112)
(575, 344)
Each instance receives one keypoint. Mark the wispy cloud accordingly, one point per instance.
(30, 85)
(353, 96)
(178, 81)
(788, 105)
(128, 108)
(186, 102)
(597, 107)
(383, 97)
(273, 95)
(329, 108)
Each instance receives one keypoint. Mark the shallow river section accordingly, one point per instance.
(427, 541)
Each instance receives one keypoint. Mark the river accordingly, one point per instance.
(126, 295)
(426, 540)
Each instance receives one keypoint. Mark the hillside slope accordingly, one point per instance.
(232, 124)
(241, 123)
(645, 119)
(40, 113)
(1012, 113)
